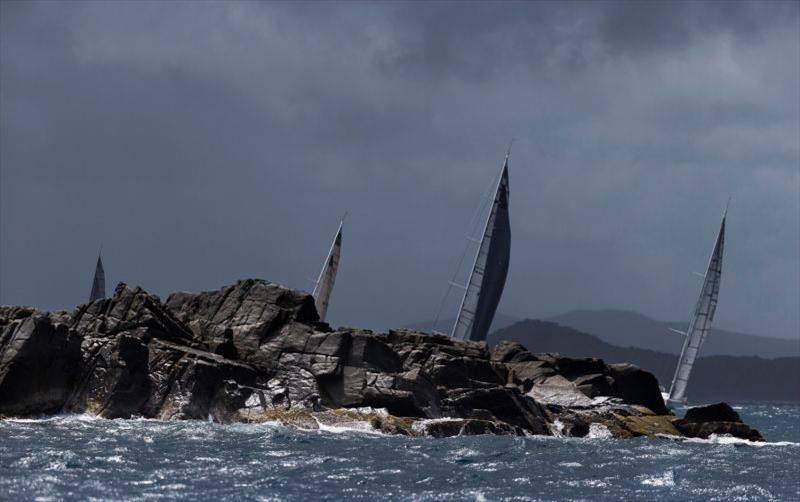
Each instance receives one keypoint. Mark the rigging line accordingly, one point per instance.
(486, 197)
(450, 285)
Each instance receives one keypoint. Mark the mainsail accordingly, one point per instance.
(327, 276)
(488, 277)
(99, 282)
(701, 321)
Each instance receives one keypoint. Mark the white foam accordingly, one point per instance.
(208, 459)
(557, 428)
(728, 439)
(382, 412)
(666, 479)
(143, 482)
(570, 464)
(465, 452)
(599, 431)
(350, 427)
(476, 495)
(588, 483)
(67, 417)
(421, 426)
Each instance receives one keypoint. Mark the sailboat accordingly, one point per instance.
(99, 282)
(489, 270)
(700, 324)
(327, 276)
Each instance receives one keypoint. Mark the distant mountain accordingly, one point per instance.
(446, 325)
(713, 378)
(630, 329)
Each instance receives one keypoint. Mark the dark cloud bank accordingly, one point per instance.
(201, 143)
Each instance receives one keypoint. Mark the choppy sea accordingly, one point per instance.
(81, 458)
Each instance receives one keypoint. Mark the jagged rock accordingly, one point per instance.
(577, 428)
(718, 418)
(244, 316)
(467, 427)
(636, 386)
(706, 429)
(650, 425)
(563, 381)
(527, 374)
(256, 351)
(138, 359)
(511, 352)
(39, 363)
(718, 412)
(595, 384)
(498, 403)
(9, 313)
(368, 351)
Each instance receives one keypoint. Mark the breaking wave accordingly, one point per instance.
(83, 457)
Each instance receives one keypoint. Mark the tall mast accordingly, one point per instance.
(99, 281)
(327, 276)
(489, 270)
(700, 324)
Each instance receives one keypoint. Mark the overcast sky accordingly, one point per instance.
(201, 143)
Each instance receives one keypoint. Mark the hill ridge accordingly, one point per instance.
(715, 377)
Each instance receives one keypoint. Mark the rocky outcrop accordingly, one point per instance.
(718, 419)
(256, 351)
(38, 363)
(719, 412)
(568, 381)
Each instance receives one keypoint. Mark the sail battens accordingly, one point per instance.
(700, 324)
(489, 270)
(327, 276)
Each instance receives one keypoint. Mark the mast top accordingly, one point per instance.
(508, 150)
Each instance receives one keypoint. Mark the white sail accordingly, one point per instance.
(488, 277)
(327, 276)
(700, 323)
(99, 282)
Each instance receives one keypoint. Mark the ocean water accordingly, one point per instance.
(79, 457)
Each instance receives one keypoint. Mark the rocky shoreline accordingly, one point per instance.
(255, 351)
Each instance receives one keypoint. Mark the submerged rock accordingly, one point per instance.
(255, 351)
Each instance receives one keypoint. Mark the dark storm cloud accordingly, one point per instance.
(648, 26)
(205, 142)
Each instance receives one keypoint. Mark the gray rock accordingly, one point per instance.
(706, 429)
(256, 350)
(39, 363)
(718, 412)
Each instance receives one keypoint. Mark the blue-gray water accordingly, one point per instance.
(82, 458)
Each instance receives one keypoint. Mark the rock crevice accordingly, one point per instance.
(256, 351)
